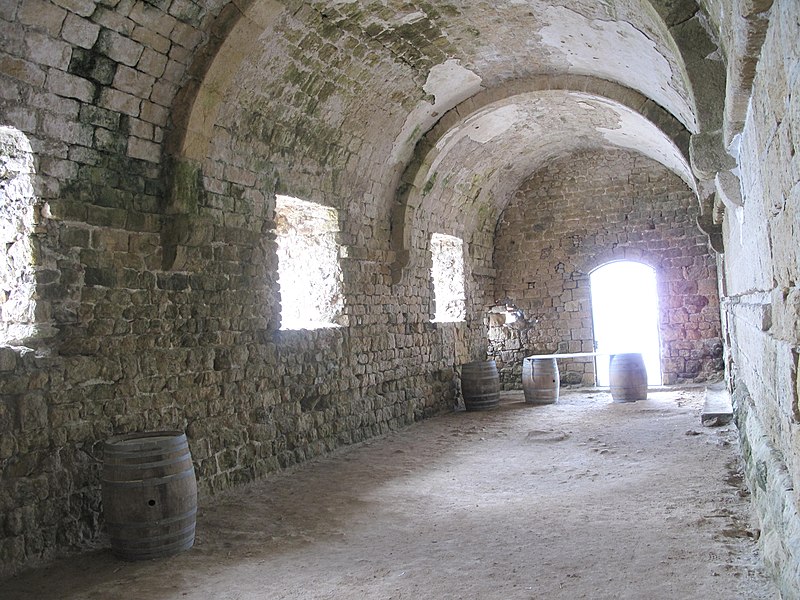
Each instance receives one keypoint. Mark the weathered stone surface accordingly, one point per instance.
(773, 494)
(762, 271)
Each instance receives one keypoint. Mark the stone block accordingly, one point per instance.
(153, 113)
(717, 408)
(32, 412)
(44, 50)
(118, 101)
(144, 149)
(84, 8)
(133, 82)
(42, 14)
(8, 359)
(23, 70)
(80, 32)
(151, 39)
(67, 131)
(70, 86)
(153, 63)
(119, 48)
(92, 66)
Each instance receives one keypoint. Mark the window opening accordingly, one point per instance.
(309, 274)
(17, 220)
(625, 316)
(448, 278)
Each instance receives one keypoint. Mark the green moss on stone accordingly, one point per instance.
(187, 186)
(429, 185)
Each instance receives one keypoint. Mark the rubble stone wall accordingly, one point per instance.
(160, 274)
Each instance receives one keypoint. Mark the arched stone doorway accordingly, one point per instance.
(625, 315)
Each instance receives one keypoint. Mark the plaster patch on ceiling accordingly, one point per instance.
(481, 127)
(489, 126)
(617, 51)
(450, 84)
(640, 135)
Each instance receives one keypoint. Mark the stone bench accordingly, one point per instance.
(718, 408)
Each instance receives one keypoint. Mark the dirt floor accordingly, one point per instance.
(581, 499)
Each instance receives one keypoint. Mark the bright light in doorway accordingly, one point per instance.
(625, 315)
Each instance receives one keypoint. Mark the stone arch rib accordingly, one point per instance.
(232, 37)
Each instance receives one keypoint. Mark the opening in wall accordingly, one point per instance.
(309, 274)
(625, 316)
(447, 274)
(17, 220)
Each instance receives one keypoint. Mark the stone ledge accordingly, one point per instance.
(718, 409)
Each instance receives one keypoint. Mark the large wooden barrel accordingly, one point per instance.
(480, 385)
(149, 494)
(627, 377)
(540, 380)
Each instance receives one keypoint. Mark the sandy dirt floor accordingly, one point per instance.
(581, 499)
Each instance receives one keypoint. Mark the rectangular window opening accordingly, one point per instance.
(309, 274)
(447, 274)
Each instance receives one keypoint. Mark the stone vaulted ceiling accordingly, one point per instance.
(339, 97)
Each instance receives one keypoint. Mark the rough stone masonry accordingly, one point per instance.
(144, 143)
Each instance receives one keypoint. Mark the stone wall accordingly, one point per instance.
(159, 274)
(577, 214)
(761, 303)
(199, 350)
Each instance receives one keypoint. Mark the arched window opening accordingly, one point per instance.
(625, 316)
(447, 274)
(309, 274)
(17, 220)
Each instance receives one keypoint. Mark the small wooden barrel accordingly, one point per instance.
(149, 494)
(540, 380)
(480, 385)
(627, 377)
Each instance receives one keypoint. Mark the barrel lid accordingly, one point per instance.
(145, 436)
(479, 363)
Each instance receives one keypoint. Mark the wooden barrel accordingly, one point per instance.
(627, 377)
(540, 380)
(149, 494)
(480, 385)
